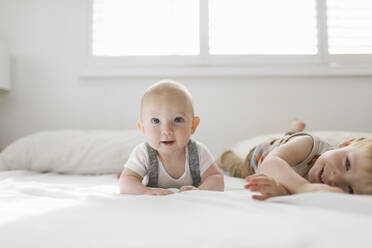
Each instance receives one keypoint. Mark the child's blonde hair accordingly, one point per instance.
(363, 146)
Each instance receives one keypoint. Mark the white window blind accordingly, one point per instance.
(205, 35)
(262, 27)
(145, 27)
(349, 26)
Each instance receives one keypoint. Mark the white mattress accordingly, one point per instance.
(52, 210)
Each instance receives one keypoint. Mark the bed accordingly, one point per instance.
(46, 203)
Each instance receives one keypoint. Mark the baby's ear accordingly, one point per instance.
(195, 124)
(140, 126)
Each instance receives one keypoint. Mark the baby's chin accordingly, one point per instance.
(309, 177)
(311, 174)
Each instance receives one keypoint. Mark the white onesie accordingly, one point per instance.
(139, 162)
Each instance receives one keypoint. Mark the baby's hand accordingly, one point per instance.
(266, 185)
(188, 187)
(157, 191)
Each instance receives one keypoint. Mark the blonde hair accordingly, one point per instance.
(167, 86)
(363, 146)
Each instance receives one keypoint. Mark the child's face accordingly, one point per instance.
(343, 168)
(167, 122)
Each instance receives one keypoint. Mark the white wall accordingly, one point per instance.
(47, 42)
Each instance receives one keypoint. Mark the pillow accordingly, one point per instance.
(333, 137)
(72, 152)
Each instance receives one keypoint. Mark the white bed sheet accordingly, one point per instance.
(53, 210)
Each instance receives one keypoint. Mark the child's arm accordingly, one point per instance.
(280, 170)
(278, 163)
(212, 179)
(267, 186)
(131, 183)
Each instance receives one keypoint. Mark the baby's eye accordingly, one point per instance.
(347, 164)
(178, 119)
(155, 121)
(350, 190)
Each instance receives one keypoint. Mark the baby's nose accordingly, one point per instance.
(167, 131)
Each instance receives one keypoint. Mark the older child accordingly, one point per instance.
(169, 158)
(300, 162)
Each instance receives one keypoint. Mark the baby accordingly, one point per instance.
(169, 158)
(300, 162)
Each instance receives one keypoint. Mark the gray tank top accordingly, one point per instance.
(193, 165)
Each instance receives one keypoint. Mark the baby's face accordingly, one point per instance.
(167, 122)
(343, 168)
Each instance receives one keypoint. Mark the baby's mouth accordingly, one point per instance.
(168, 142)
(320, 175)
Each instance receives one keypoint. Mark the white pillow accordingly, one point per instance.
(333, 137)
(73, 152)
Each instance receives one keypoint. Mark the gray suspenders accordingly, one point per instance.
(193, 164)
(153, 166)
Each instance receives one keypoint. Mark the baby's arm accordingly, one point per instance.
(279, 162)
(212, 179)
(131, 183)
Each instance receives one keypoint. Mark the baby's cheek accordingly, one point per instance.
(184, 137)
(152, 139)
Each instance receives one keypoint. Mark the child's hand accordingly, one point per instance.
(151, 191)
(188, 187)
(266, 185)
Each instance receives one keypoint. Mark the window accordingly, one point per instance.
(257, 27)
(145, 27)
(349, 26)
(231, 32)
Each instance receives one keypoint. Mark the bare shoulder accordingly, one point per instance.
(302, 140)
(295, 150)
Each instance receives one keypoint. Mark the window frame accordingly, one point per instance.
(206, 64)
